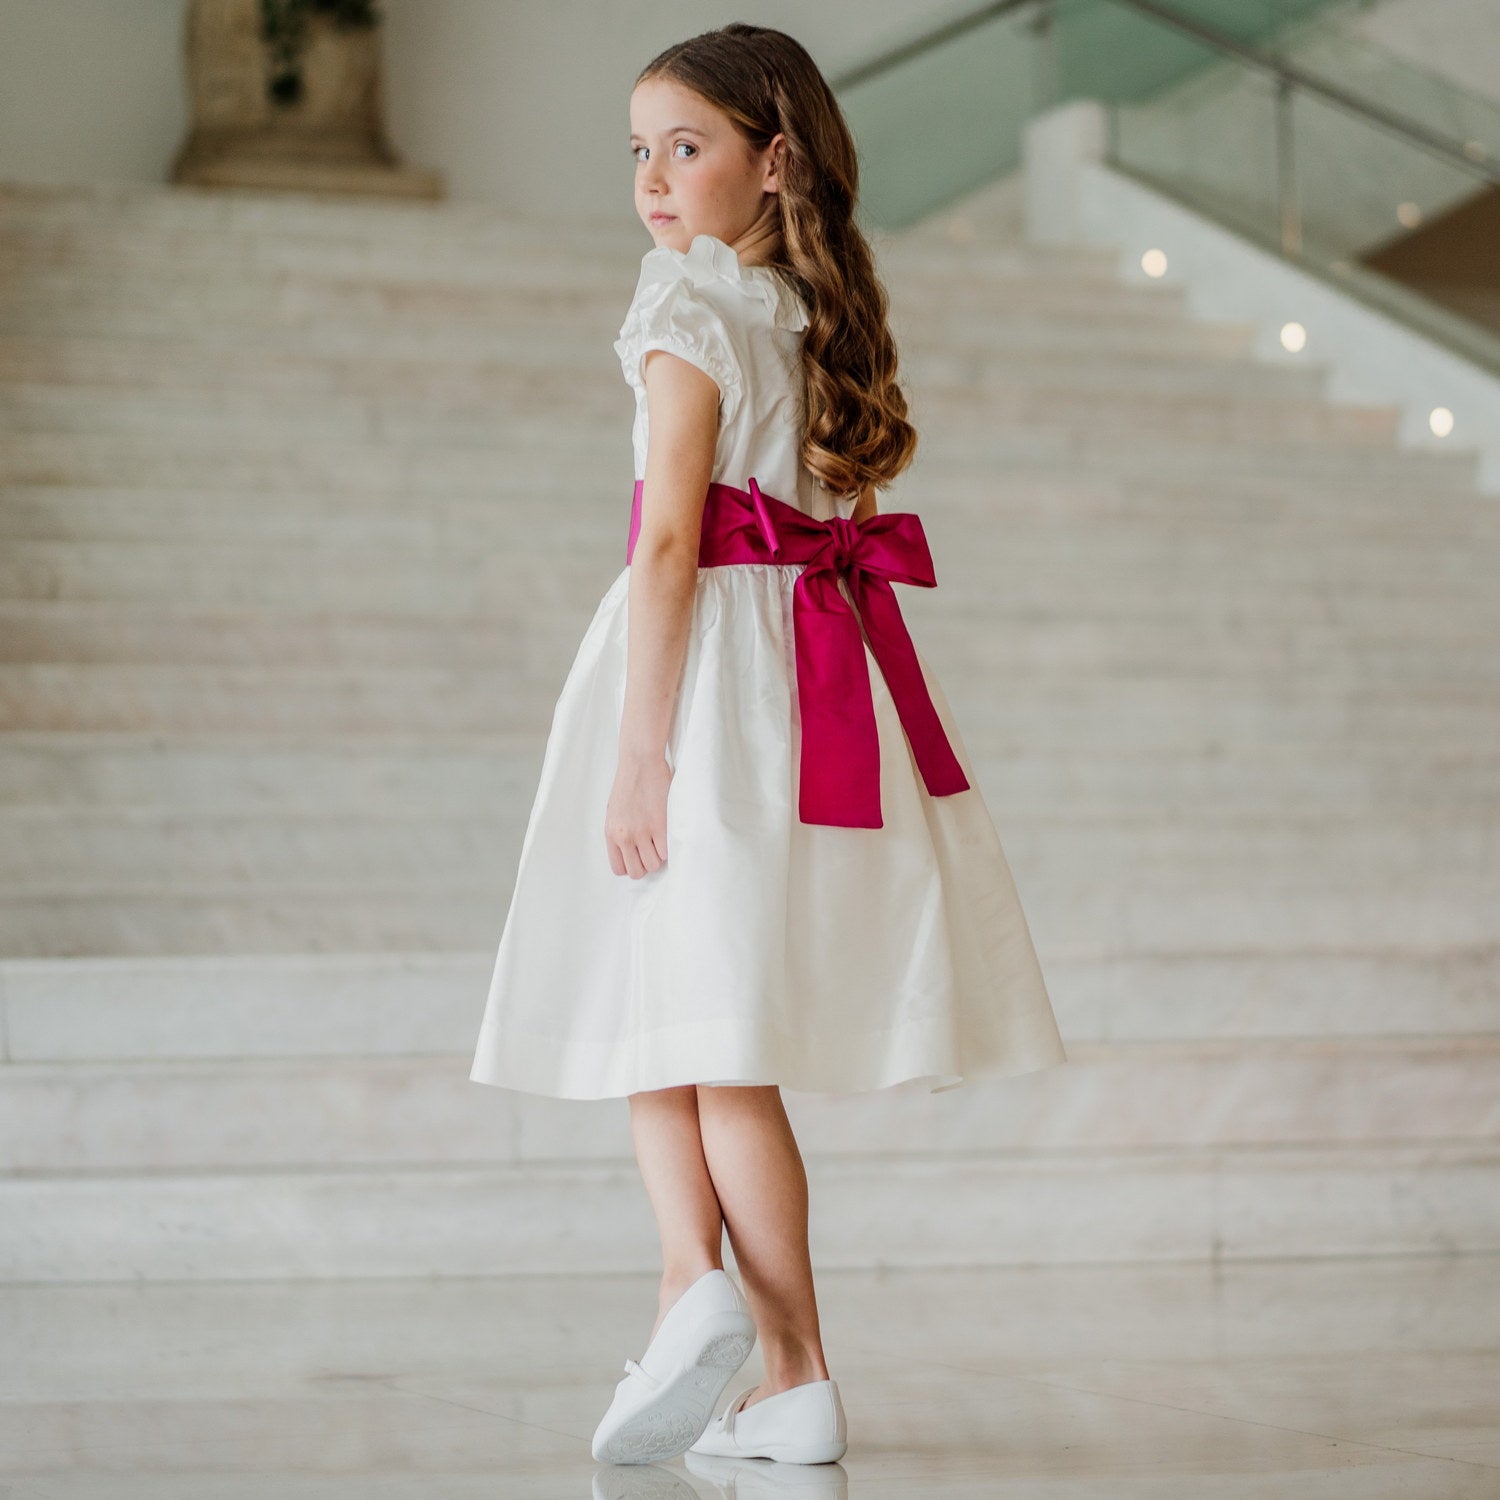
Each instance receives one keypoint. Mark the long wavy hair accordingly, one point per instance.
(855, 432)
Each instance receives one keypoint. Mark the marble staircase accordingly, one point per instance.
(304, 506)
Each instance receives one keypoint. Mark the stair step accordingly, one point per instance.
(359, 333)
(1330, 515)
(1172, 454)
(975, 623)
(1226, 417)
(1016, 335)
(446, 416)
(580, 363)
(265, 1113)
(185, 919)
(535, 452)
(1139, 714)
(434, 777)
(575, 358)
(70, 851)
(1184, 373)
(160, 1008)
(1117, 564)
(452, 775)
(441, 583)
(1059, 1207)
(538, 454)
(909, 254)
(540, 647)
(1222, 915)
(1415, 490)
(550, 293)
(262, 226)
(451, 244)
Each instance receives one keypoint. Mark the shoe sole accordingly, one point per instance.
(679, 1411)
(785, 1453)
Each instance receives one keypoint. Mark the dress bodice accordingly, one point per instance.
(742, 326)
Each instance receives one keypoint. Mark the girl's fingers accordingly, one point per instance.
(636, 858)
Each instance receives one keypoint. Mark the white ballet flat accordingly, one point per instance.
(803, 1424)
(668, 1396)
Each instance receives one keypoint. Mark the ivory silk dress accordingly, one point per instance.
(765, 949)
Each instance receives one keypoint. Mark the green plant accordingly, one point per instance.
(283, 28)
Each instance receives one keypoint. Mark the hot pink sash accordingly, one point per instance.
(839, 779)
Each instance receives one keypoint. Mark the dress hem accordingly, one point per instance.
(938, 1075)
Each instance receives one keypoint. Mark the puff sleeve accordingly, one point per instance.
(672, 311)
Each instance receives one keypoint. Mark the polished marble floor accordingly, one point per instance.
(1307, 1379)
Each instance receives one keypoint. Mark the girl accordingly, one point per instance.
(799, 885)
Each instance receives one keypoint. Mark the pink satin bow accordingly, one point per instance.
(839, 777)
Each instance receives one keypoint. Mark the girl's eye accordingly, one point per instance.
(635, 151)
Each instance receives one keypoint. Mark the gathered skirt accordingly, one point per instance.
(763, 950)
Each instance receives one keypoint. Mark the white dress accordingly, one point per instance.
(764, 949)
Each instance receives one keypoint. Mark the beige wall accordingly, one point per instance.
(520, 102)
(526, 102)
(90, 90)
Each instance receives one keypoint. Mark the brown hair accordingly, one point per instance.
(855, 432)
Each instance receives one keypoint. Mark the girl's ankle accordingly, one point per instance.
(782, 1375)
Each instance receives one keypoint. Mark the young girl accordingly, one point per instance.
(798, 882)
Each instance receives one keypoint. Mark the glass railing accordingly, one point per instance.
(941, 114)
(1332, 51)
(1348, 188)
(1284, 149)
(941, 111)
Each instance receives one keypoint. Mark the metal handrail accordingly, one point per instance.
(1285, 74)
(883, 62)
(1410, 130)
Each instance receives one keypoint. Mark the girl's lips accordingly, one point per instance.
(662, 218)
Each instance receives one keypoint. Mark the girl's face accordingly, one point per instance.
(695, 173)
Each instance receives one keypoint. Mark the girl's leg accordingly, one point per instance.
(664, 1127)
(761, 1185)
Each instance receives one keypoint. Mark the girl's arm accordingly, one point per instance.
(683, 420)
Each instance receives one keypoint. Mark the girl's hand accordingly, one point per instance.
(635, 820)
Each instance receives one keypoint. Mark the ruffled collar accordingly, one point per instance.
(708, 258)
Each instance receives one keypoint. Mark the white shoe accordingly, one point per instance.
(803, 1424)
(669, 1394)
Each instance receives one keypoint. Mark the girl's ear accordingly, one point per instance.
(777, 148)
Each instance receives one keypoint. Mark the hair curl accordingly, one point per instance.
(855, 429)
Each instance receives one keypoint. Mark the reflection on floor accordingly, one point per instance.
(1361, 1378)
